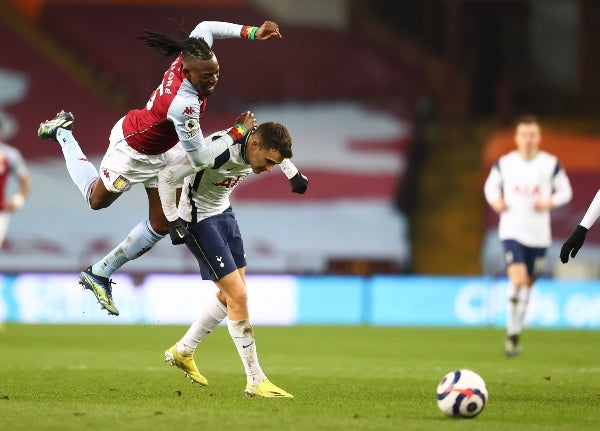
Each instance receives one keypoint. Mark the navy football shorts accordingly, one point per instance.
(534, 258)
(217, 244)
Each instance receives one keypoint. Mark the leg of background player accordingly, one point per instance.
(4, 220)
(518, 277)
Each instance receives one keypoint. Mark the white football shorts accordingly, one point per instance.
(122, 166)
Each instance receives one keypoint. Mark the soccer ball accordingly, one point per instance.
(462, 393)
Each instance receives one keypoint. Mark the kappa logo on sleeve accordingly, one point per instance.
(189, 110)
(192, 127)
(121, 183)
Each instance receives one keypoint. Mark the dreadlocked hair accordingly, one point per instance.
(169, 47)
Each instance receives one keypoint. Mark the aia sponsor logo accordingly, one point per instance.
(526, 190)
(189, 110)
(230, 182)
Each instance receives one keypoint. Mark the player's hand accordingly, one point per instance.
(573, 244)
(499, 206)
(543, 205)
(178, 232)
(247, 120)
(268, 30)
(15, 203)
(299, 183)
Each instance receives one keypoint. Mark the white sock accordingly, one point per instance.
(522, 308)
(511, 311)
(82, 172)
(209, 318)
(242, 335)
(141, 239)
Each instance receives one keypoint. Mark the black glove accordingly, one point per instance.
(299, 183)
(573, 244)
(178, 232)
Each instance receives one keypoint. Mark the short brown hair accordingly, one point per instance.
(275, 136)
(527, 119)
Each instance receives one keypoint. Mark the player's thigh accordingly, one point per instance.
(535, 260)
(235, 241)
(158, 221)
(100, 197)
(515, 260)
(209, 242)
(122, 166)
(242, 272)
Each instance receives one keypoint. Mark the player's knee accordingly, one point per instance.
(238, 299)
(160, 227)
(98, 204)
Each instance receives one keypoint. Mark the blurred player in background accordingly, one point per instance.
(208, 225)
(148, 139)
(522, 187)
(11, 163)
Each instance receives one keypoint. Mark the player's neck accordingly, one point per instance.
(529, 156)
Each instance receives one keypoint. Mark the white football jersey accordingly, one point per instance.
(206, 192)
(521, 183)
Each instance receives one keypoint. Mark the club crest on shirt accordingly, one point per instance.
(121, 183)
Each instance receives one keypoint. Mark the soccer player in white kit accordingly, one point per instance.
(148, 139)
(11, 163)
(207, 224)
(522, 187)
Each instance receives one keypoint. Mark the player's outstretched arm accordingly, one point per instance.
(298, 181)
(210, 30)
(577, 238)
(169, 179)
(563, 192)
(492, 190)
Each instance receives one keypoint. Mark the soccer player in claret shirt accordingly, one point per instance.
(11, 163)
(207, 223)
(148, 139)
(522, 187)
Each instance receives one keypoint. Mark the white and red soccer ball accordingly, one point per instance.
(462, 393)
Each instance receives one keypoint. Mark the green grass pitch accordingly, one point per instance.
(55, 377)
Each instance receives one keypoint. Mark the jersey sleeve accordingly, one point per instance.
(184, 112)
(562, 187)
(16, 162)
(288, 168)
(169, 178)
(492, 188)
(210, 30)
(592, 213)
